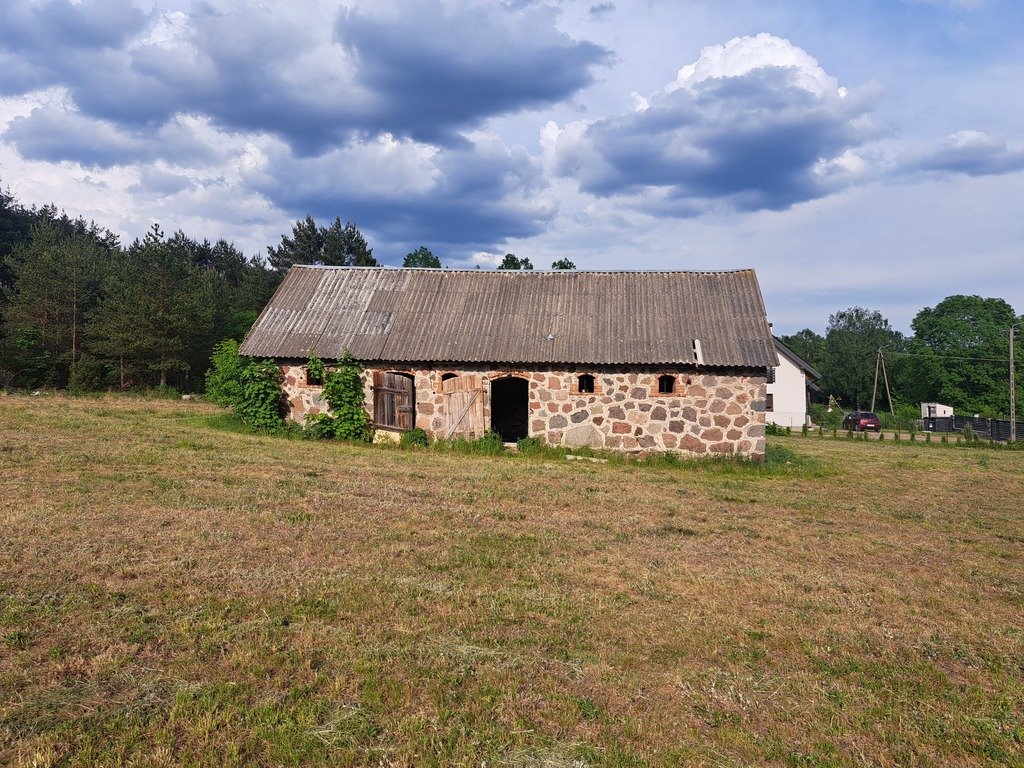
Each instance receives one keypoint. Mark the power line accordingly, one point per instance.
(948, 357)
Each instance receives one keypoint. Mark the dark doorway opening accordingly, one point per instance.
(510, 408)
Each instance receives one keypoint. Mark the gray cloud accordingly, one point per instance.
(318, 94)
(466, 198)
(437, 69)
(428, 72)
(755, 124)
(973, 153)
(56, 133)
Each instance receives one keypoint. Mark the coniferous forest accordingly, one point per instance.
(79, 310)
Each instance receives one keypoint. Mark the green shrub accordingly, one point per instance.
(415, 437)
(343, 391)
(529, 445)
(318, 426)
(259, 401)
(224, 379)
(315, 370)
(774, 429)
(820, 415)
(86, 375)
(490, 443)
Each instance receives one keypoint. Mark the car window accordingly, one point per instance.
(869, 416)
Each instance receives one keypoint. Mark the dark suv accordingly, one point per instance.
(859, 421)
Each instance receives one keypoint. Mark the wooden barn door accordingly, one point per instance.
(394, 400)
(463, 407)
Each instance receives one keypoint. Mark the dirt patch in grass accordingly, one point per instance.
(174, 593)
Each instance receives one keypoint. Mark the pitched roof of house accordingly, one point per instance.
(798, 361)
(517, 317)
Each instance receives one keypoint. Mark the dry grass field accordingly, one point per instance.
(176, 593)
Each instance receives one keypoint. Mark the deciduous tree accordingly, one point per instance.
(969, 336)
(852, 341)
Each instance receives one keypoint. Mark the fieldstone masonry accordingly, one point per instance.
(706, 413)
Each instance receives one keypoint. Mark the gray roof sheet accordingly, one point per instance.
(513, 316)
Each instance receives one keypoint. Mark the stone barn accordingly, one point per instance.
(630, 361)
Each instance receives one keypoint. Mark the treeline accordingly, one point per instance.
(78, 310)
(958, 355)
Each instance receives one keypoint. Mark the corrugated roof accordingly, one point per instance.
(516, 317)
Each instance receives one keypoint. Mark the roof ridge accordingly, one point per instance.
(533, 271)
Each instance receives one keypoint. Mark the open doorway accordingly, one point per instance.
(510, 408)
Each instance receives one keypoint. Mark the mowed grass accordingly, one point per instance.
(172, 593)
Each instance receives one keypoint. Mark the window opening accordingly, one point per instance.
(666, 385)
(586, 384)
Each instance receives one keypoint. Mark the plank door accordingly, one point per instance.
(394, 400)
(463, 407)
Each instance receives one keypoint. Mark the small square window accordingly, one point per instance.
(585, 384)
(666, 385)
(769, 402)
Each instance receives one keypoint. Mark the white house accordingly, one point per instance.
(789, 385)
(936, 411)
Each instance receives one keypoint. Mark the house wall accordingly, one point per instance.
(708, 413)
(790, 395)
(938, 410)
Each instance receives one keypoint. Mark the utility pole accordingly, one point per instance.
(1013, 392)
(888, 392)
(874, 389)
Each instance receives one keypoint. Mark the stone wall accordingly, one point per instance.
(706, 413)
(302, 399)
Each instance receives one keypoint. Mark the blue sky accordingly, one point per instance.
(865, 153)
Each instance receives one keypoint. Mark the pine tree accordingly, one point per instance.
(511, 261)
(305, 246)
(421, 257)
(335, 246)
(346, 246)
(55, 287)
(156, 316)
